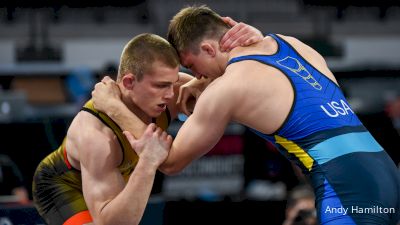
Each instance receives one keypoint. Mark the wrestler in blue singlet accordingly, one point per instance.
(354, 179)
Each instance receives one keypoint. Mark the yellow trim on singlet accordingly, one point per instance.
(130, 158)
(296, 150)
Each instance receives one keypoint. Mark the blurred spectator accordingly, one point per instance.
(300, 208)
(11, 182)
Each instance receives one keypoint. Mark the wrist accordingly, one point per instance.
(147, 165)
(114, 108)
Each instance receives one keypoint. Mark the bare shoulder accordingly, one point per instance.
(83, 126)
(288, 38)
(218, 92)
(297, 44)
(228, 89)
(227, 83)
(305, 50)
(89, 140)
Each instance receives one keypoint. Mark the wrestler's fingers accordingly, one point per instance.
(233, 36)
(96, 86)
(164, 135)
(106, 79)
(169, 140)
(132, 140)
(182, 101)
(184, 107)
(228, 20)
(228, 34)
(150, 128)
(158, 131)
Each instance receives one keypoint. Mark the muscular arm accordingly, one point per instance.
(239, 34)
(202, 130)
(109, 199)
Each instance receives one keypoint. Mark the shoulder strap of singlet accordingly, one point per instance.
(88, 107)
(274, 36)
(97, 114)
(101, 116)
(255, 56)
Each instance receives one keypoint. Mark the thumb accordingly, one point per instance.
(132, 140)
(179, 99)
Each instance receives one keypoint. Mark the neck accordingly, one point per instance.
(267, 46)
(235, 52)
(222, 61)
(134, 108)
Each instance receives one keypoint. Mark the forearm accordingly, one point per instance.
(183, 151)
(129, 205)
(127, 120)
(186, 146)
(200, 132)
(175, 162)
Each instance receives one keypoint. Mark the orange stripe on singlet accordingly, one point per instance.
(80, 218)
(66, 158)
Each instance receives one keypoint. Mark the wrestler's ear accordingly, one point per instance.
(208, 48)
(129, 81)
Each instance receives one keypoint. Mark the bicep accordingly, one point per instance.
(101, 179)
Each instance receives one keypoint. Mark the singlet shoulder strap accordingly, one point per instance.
(88, 107)
(274, 36)
(261, 57)
(280, 41)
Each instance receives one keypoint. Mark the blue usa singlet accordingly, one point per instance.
(354, 180)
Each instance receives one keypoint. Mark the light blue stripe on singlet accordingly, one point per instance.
(344, 144)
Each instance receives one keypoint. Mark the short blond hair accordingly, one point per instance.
(142, 51)
(193, 24)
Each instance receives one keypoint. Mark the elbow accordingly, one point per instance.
(171, 170)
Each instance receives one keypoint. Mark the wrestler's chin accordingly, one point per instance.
(157, 111)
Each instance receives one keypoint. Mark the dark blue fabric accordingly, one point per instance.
(349, 168)
(319, 103)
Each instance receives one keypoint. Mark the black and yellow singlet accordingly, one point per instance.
(57, 186)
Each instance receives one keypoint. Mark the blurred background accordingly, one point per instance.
(53, 52)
